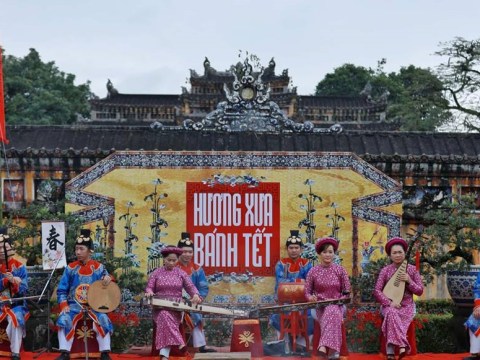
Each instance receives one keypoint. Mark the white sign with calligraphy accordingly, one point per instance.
(53, 245)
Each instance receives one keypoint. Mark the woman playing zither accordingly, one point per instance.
(328, 281)
(397, 316)
(168, 282)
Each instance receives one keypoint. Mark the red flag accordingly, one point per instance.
(3, 133)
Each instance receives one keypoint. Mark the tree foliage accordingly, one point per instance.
(460, 73)
(414, 95)
(452, 236)
(346, 80)
(417, 99)
(26, 226)
(39, 93)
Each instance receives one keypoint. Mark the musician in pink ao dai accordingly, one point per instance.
(325, 282)
(397, 317)
(167, 282)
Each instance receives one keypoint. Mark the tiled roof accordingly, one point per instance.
(217, 77)
(338, 102)
(382, 145)
(138, 100)
(125, 100)
(227, 77)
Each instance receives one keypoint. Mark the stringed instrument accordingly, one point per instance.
(270, 310)
(394, 289)
(103, 299)
(253, 313)
(199, 308)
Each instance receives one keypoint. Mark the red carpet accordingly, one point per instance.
(429, 356)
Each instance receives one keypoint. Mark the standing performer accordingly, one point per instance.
(13, 284)
(72, 297)
(168, 282)
(199, 279)
(473, 323)
(324, 282)
(293, 268)
(397, 316)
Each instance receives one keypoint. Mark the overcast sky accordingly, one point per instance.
(148, 46)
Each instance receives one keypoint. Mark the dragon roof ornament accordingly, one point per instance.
(249, 108)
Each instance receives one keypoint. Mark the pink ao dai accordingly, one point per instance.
(396, 321)
(328, 282)
(168, 284)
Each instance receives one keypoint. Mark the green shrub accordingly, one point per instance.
(437, 306)
(437, 329)
(434, 333)
(218, 331)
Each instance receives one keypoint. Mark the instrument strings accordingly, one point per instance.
(400, 271)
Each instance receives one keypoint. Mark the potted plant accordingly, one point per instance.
(452, 238)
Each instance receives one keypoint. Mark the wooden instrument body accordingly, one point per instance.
(289, 293)
(254, 313)
(103, 299)
(394, 288)
(204, 309)
(270, 310)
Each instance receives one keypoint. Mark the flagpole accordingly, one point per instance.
(2, 122)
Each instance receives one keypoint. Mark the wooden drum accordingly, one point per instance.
(290, 293)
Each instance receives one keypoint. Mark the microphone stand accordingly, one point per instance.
(48, 346)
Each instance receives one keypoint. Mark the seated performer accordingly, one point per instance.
(14, 284)
(473, 323)
(168, 282)
(71, 295)
(293, 268)
(199, 279)
(397, 316)
(324, 282)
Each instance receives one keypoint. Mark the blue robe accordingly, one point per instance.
(287, 271)
(472, 323)
(18, 311)
(199, 279)
(74, 284)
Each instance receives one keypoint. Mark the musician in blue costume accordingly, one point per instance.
(293, 268)
(473, 323)
(199, 279)
(13, 284)
(72, 297)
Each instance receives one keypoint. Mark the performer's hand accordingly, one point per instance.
(9, 276)
(149, 294)
(476, 312)
(395, 305)
(196, 299)
(106, 280)
(312, 298)
(405, 277)
(16, 280)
